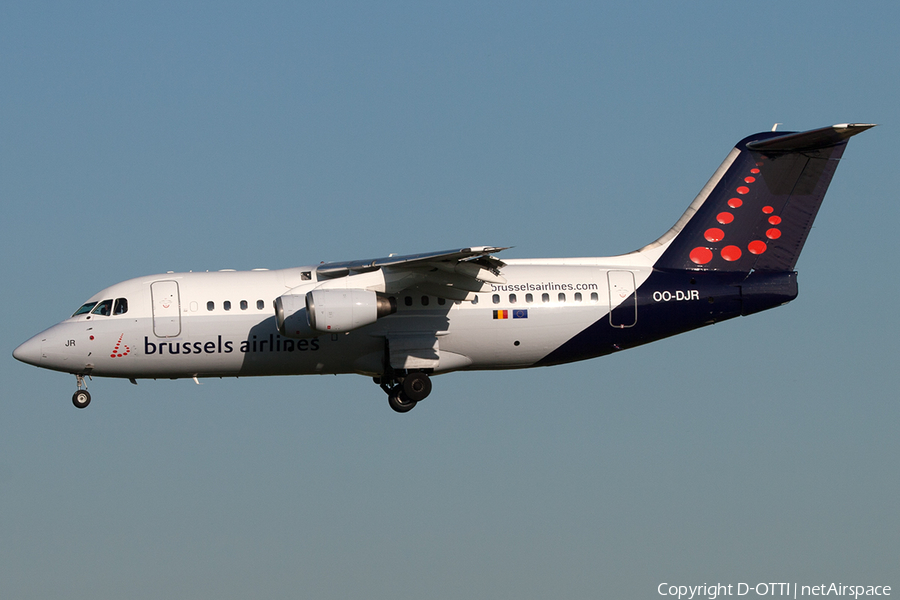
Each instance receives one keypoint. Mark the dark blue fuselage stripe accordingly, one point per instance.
(672, 302)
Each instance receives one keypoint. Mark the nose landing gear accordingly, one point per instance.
(81, 398)
(405, 391)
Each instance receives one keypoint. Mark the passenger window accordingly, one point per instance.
(496, 298)
(103, 308)
(529, 298)
(244, 305)
(227, 305)
(86, 308)
(442, 301)
(121, 306)
(424, 300)
(595, 297)
(210, 305)
(407, 300)
(577, 296)
(260, 304)
(545, 298)
(475, 299)
(512, 298)
(562, 297)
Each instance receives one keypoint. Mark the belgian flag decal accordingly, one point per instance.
(516, 314)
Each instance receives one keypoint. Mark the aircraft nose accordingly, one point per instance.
(29, 352)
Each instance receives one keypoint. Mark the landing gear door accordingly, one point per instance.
(166, 303)
(622, 299)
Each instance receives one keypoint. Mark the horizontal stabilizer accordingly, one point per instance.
(810, 140)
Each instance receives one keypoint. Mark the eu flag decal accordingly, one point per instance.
(501, 314)
(520, 314)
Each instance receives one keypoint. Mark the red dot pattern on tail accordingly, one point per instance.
(731, 253)
(702, 255)
(714, 234)
(756, 247)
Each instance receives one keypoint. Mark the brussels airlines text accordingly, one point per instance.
(272, 343)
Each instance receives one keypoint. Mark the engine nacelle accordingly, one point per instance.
(290, 316)
(339, 310)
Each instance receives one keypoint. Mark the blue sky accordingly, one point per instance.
(144, 138)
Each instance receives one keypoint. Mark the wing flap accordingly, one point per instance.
(474, 255)
(450, 274)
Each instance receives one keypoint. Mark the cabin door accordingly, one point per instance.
(622, 299)
(166, 304)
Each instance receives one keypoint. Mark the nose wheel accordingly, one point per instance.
(81, 398)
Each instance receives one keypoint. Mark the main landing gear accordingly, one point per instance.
(82, 397)
(405, 391)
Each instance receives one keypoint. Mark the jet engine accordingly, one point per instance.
(290, 316)
(337, 310)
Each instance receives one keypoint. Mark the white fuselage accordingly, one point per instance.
(223, 324)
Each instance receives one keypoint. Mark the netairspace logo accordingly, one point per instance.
(713, 591)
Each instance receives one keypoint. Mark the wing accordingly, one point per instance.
(450, 274)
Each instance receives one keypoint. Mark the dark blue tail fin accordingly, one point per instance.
(758, 208)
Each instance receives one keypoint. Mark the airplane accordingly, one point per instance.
(403, 319)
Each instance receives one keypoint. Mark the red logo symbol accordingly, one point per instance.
(116, 353)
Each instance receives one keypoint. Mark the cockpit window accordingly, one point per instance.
(84, 309)
(121, 306)
(103, 308)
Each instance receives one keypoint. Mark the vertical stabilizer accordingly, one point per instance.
(756, 211)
